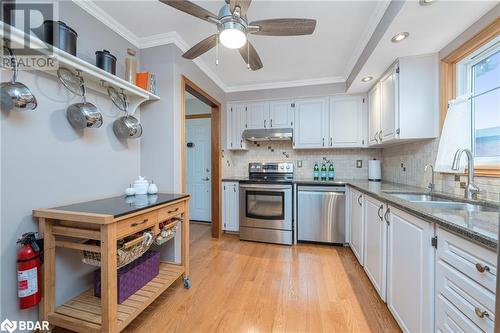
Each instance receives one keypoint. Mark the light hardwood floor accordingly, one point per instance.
(254, 287)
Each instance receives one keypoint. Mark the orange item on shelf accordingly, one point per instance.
(141, 80)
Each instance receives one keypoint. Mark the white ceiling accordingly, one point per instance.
(431, 28)
(327, 56)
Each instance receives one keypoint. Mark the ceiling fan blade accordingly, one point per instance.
(284, 27)
(191, 8)
(243, 4)
(201, 47)
(254, 61)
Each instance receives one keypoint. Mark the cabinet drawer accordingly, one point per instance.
(466, 295)
(472, 260)
(136, 224)
(450, 320)
(170, 211)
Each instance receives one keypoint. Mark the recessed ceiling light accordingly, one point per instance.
(426, 2)
(399, 37)
(367, 78)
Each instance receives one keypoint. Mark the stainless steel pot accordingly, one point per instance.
(84, 115)
(60, 35)
(15, 96)
(127, 127)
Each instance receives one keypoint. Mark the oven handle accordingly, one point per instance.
(266, 187)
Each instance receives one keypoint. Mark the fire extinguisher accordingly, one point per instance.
(28, 271)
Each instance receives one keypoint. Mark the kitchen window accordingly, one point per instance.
(478, 77)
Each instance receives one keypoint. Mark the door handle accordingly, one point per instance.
(359, 198)
(264, 123)
(378, 212)
(331, 142)
(206, 179)
(271, 123)
(386, 215)
(323, 142)
(480, 313)
(135, 224)
(482, 268)
(234, 188)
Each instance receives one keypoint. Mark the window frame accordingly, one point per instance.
(448, 78)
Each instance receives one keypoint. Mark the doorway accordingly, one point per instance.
(201, 173)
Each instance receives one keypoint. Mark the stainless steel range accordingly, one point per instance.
(266, 203)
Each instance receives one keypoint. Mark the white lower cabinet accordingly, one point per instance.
(356, 223)
(465, 285)
(230, 206)
(375, 244)
(410, 271)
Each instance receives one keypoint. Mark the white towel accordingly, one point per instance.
(456, 134)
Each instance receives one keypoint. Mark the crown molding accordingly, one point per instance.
(286, 84)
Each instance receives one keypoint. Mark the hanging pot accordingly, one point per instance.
(127, 127)
(15, 96)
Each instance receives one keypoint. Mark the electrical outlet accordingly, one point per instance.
(299, 164)
(359, 164)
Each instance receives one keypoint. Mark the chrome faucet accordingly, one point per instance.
(431, 185)
(471, 190)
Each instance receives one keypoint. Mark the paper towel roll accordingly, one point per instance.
(374, 170)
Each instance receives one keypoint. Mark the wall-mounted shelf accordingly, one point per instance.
(95, 78)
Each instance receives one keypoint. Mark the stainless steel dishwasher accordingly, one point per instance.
(321, 214)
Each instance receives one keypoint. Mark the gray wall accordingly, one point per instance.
(46, 163)
(195, 106)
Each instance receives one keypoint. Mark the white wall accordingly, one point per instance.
(195, 106)
(46, 163)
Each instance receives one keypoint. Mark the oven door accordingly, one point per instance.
(266, 206)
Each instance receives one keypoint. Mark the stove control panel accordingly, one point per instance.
(282, 167)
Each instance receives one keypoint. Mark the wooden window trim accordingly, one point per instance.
(448, 77)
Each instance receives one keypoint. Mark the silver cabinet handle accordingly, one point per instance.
(234, 188)
(323, 142)
(378, 212)
(386, 215)
(264, 123)
(480, 313)
(380, 135)
(241, 143)
(359, 198)
(482, 268)
(271, 123)
(331, 142)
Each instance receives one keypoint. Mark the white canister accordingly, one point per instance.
(374, 170)
(141, 186)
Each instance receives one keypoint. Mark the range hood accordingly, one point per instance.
(275, 134)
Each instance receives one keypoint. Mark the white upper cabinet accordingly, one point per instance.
(346, 121)
(374, 114)
(281, 114)
(257, 115)
(236, 120)
(404, 104)
(311, 123)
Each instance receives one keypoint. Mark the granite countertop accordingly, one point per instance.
(122, 205)
(481, 227)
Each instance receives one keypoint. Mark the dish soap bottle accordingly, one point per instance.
(316, 172)
(130, 66)
(331, 171)
(323, 171)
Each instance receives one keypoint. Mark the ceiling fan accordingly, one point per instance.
(233, 28)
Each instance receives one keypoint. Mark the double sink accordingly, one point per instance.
(433, 201)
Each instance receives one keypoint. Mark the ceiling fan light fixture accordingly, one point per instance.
(233, 35)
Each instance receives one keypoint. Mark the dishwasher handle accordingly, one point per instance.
(321, 189)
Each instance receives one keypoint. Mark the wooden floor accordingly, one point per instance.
(254, 287)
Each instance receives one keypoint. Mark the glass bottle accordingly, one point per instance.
(331, 171)
(323, 171)
(130, 66)
(316, 172)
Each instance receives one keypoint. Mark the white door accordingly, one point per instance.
(356, 219)
(257, 115)
(311, 123)
(374, 114)
(410, 271)
(346, 121)
(198, 165)
(280, 114)
(235, 126)
(388, 106)
(375, 244)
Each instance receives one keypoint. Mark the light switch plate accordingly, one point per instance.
(299, 164)
(359, 164)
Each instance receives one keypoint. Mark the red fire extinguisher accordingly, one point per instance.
(28, 271)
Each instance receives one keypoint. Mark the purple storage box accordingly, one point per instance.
(133, 276)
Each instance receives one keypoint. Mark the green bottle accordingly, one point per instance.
(323, 171)
(316, 171)
(331, 171)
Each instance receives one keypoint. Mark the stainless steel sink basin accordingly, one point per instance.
(461, 206)
(416, 197)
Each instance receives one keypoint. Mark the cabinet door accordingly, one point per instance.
(257, 115)
(226, 205)
(388, 106)
(375, 244)
(311, 123)
(356, 225)
(280, 114)
(235, 204)
(374, 114)
(236, 125)
(346, 121)
(410, 271)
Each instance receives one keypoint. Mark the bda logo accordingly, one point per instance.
(8, 325)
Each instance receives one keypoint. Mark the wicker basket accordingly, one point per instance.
(128, 252)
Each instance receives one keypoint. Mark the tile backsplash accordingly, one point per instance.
(235, 163)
